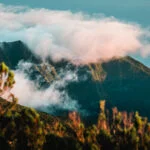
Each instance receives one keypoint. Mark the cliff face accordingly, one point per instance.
(123, 82)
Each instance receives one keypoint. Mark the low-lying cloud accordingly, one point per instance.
(48, 99)
(77, 37)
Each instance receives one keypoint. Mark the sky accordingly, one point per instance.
(130, 10)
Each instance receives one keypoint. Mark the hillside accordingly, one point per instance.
(123, 82)
(19, 108)
(23, 128)
(13, 52)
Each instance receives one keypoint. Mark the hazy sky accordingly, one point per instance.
(129, 10)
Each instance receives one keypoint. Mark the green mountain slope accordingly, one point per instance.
(12, 52)
(123, 82)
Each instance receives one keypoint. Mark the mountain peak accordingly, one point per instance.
(13, 52)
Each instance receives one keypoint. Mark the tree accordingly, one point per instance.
(6, 82)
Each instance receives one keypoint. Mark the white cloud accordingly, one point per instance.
(77, 37)
(30, 95)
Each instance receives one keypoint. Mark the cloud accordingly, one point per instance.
(77, 37)
(29, 94)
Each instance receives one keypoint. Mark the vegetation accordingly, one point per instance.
(23, 128)
(6, 81)
(97, 71)
(47, 71)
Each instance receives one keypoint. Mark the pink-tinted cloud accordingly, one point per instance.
(77, 37)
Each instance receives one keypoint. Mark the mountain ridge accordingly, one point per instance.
(123, 82)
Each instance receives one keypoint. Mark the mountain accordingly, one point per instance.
(122, 82)
(13, 52)
(126, 85)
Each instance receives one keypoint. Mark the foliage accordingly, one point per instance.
(26, 129)
(6, 81)
(23, 128)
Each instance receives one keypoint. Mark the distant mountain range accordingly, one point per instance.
(122, 82)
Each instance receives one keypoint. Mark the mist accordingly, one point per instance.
(29, 93)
